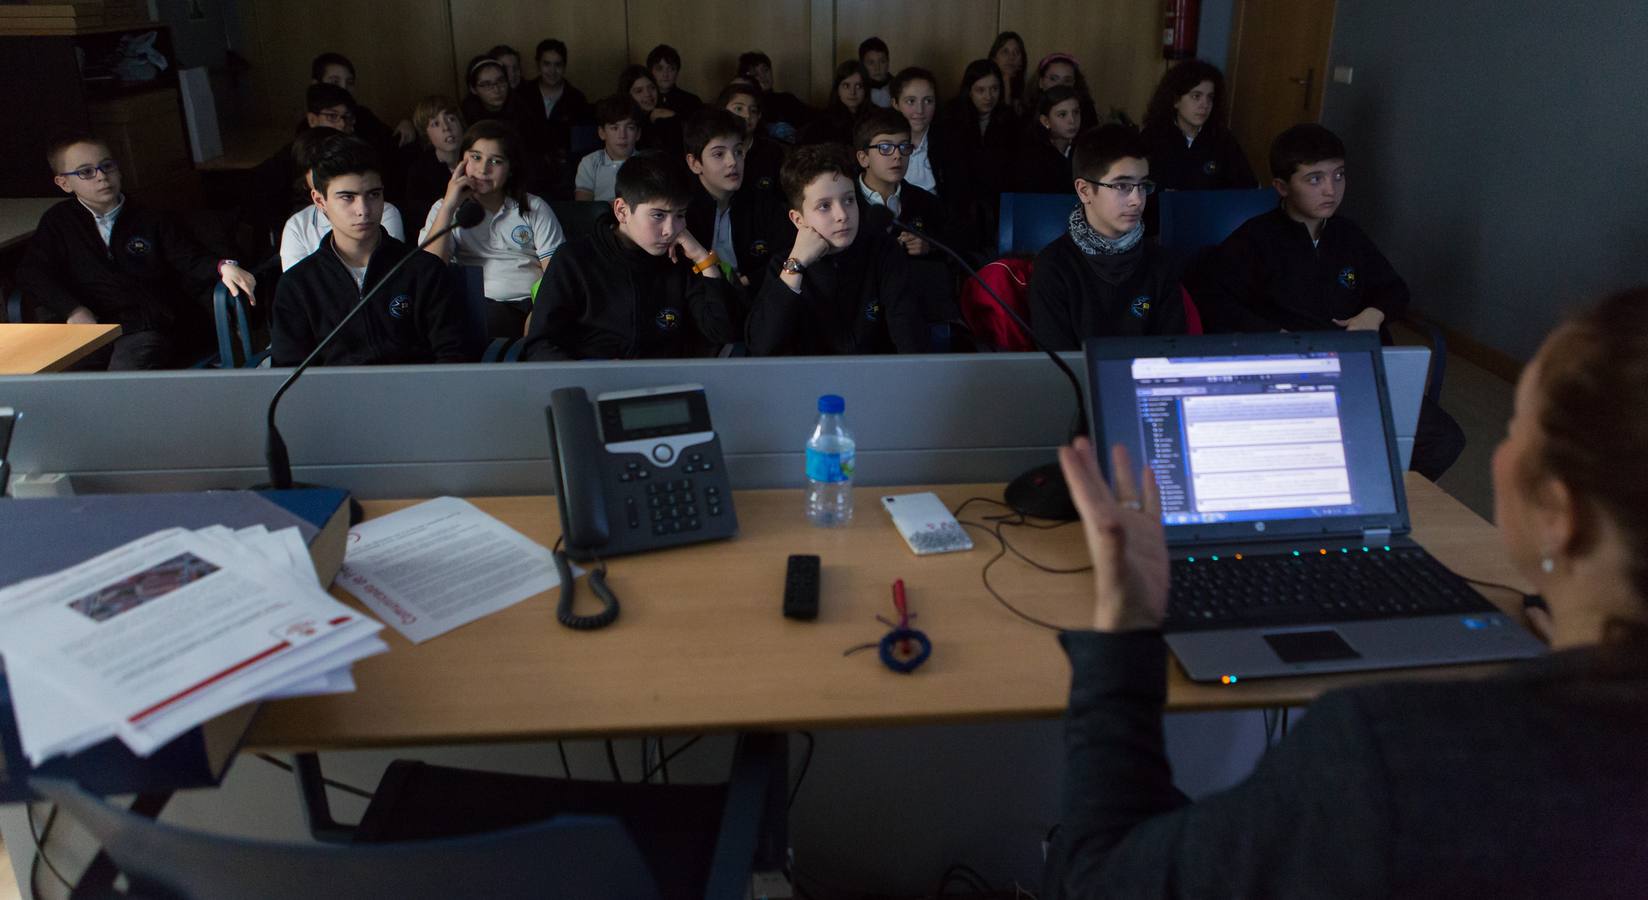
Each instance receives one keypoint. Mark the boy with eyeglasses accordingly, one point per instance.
(100, 258)
(881, 141)
(1102, 278)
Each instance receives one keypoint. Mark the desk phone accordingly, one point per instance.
(637, 470)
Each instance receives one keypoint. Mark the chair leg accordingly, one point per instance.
(99, 877)
(317, 812)
(754, 834)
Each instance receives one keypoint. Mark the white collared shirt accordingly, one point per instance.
(723, 244)
(893, 203)
(309, 226)
(882, 97)
(920, 170)
(598, 174)
(509, 246)
(105, 222)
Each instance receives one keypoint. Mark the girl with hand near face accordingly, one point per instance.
(660, 127)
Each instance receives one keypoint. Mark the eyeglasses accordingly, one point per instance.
(87, 173)
(492, 83)
(887, 148)
(1126, 188)
(344, 118)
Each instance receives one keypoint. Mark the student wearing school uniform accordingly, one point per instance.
(1007, 52)
(640, 286)
(98, 257)
(847, 102)
(745, 227)
(278, 188)
(878, 70)
(551, 107)
(413, 319)
(1054, 70)
(336, 69)
(844, 287)
(881, 143)
(783, 113)
(429, 166)
(764, 156)
(1101, 278)
(982, 135)
(516, 240)
(1044, 160)
(619, 131)
(1303, 267)
(664, 65)
(510, 59)
(306, 228)
(660, 127)
(490, 97)
(915, 96)
(1191, 149)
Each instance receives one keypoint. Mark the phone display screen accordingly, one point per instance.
(647, 414)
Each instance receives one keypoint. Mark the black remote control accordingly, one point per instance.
(801, 588)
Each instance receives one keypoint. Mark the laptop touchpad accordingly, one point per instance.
(1310, 646)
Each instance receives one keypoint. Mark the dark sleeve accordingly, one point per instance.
(906, 314)
(560, 302)
(441, 317)
(774, 315)
(1050, 300)
(1168, 315)
(1233, 288)
(187, 256)
(1314, 818)
(1385, 290)
(37, 273)
(291, 335)
(711, 301)
(1238, 171)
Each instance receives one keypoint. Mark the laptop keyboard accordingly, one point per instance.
(1226, 592)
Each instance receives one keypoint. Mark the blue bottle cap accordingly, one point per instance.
(831, 403)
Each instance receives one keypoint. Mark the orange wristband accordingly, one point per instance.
(705, 263)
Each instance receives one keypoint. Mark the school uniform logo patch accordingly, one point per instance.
(668, 319)
(1347, 278)
(918, 224)
(872, 311)
(759, 248)
(1209, 167)
(765, 182)
(522, 236)
(1141, 306)
(137, 246)
(400, 306)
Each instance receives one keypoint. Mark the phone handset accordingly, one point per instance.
(575, 465)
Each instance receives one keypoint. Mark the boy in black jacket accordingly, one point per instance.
(744, 227)
(1301, 267)
(640, 286)
(1102, 278)
(881, 141)
(844, 288)
(101, 258)
(412, 319)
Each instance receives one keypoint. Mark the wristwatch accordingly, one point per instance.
(792, 266)
(226, 262)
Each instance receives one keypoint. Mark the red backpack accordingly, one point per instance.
(1009, 277)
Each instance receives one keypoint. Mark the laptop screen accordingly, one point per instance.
(1259, 441)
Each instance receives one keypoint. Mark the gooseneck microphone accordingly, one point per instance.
(1041, 491)
(468, 215)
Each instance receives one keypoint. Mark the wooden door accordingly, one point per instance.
(1279, 62)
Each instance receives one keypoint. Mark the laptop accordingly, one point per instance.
(1283, 503)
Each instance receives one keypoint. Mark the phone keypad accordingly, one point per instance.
(674, 505)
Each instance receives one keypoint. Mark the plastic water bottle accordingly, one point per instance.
(830, 466)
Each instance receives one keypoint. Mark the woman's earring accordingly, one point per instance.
(1547, 565)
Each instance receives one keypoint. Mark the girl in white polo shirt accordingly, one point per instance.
(519, 235)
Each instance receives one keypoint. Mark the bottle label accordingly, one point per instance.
(829, 467)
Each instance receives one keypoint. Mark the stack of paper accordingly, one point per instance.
(155, 637)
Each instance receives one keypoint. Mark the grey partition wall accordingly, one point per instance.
(477, 430)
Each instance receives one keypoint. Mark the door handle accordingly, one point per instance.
(1307, 82)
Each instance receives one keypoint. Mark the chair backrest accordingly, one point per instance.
(582, 140)
(1030, 222)
(467, 285)
(562, 857)
(577, 217)
(1191, 220)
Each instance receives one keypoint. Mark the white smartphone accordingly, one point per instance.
(926, 523)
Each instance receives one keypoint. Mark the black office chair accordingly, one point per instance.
(1029, 222)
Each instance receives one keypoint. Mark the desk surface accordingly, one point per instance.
(20, 215)
(27, 348)
(701, 645)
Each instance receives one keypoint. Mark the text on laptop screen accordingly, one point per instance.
(1244, 438)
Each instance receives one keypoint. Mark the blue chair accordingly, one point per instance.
(466, 284)
(1030, 222)
(234, 332)
(583, 141)
(1191, 220)
(577, 217)
(14, 306)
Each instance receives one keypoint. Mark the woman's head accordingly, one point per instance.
(492, 152)
(915, 94)
(981, 86)
(1190, 97)
(439, 123)
(1007, 52)
(1059, 68)
(1570, 483)
(636, 83)
(851, 86)
(489, 82)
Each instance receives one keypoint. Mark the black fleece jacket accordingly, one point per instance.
(603, 298)
(1212, 162)
(1267, 276)
(855, 301)
(1073, 296)
(761, 232)
(144, 279)
(413, 318)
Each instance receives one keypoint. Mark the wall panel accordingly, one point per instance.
(941, 35)
(711, 35)
(592, 29)
(1117, 42)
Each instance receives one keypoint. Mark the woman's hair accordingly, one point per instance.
(1055, 95)
(738, 89)
(630, 75)
(908, 76)
(1033, 92)
(1016, 87)
(846, 70)
(1179, 81)
(1593, 433)
(428, 108)
(479, 63)
(509, 141)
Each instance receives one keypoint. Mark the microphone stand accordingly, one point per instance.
(1040, 492)
(468, 215)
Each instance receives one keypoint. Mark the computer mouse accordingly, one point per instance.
(1041, 494)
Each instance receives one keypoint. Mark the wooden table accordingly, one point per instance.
(26, 349)
(19, 216)
(701, 646)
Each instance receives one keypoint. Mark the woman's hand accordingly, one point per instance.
(1124, 538)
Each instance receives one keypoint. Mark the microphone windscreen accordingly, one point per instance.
(469, 214)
